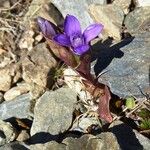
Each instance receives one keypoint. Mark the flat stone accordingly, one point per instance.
(109, 141)
(138, 20)
(20, 107)
(123, 4)
(104, 141)
(37, 66)
(75, 8)
(126, 66)
(112, 21)
(79, 143)
(16, 91)
(7, 133)
(53, 112)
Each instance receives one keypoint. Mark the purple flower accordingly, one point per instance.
(73, 36)
(46, 27)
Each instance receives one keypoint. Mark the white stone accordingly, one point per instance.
(143, 3)
(16, 91)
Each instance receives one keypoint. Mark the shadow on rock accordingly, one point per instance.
(104, 53)
(20, 124)
(17, 146)
(126, 137)
(44, 137)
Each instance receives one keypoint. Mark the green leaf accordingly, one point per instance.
(145, 124)
(144, 113)
(130, 102)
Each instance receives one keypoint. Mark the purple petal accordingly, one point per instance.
(72, 26)
(62, 39)
(76, 41)
(46, 27)
(81, 49)
(92, 31)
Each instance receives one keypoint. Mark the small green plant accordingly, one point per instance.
(145, 124)
(144, 114)
(130, 102)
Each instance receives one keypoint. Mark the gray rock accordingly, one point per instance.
(49, 145)
(129, 138)
(86, 142)
(53, 112)
(7, 133)
(82, 142)
(145, 142)
(127, 65)
(77, 8)
(20, 107)
(112, 21)
(123, 4)
(38, 65)
(120, 136)
(104, 141)
(109, 141)
(14, 146)
(138, 20)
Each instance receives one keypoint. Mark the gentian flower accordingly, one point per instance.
(79, 43)
(46, 27)
(73, 36)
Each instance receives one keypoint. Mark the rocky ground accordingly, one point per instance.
(41, 108)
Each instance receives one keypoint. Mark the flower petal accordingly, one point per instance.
(72, 26)
(81, 49)
(92, 31)
(62, 39)
(46, 27)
